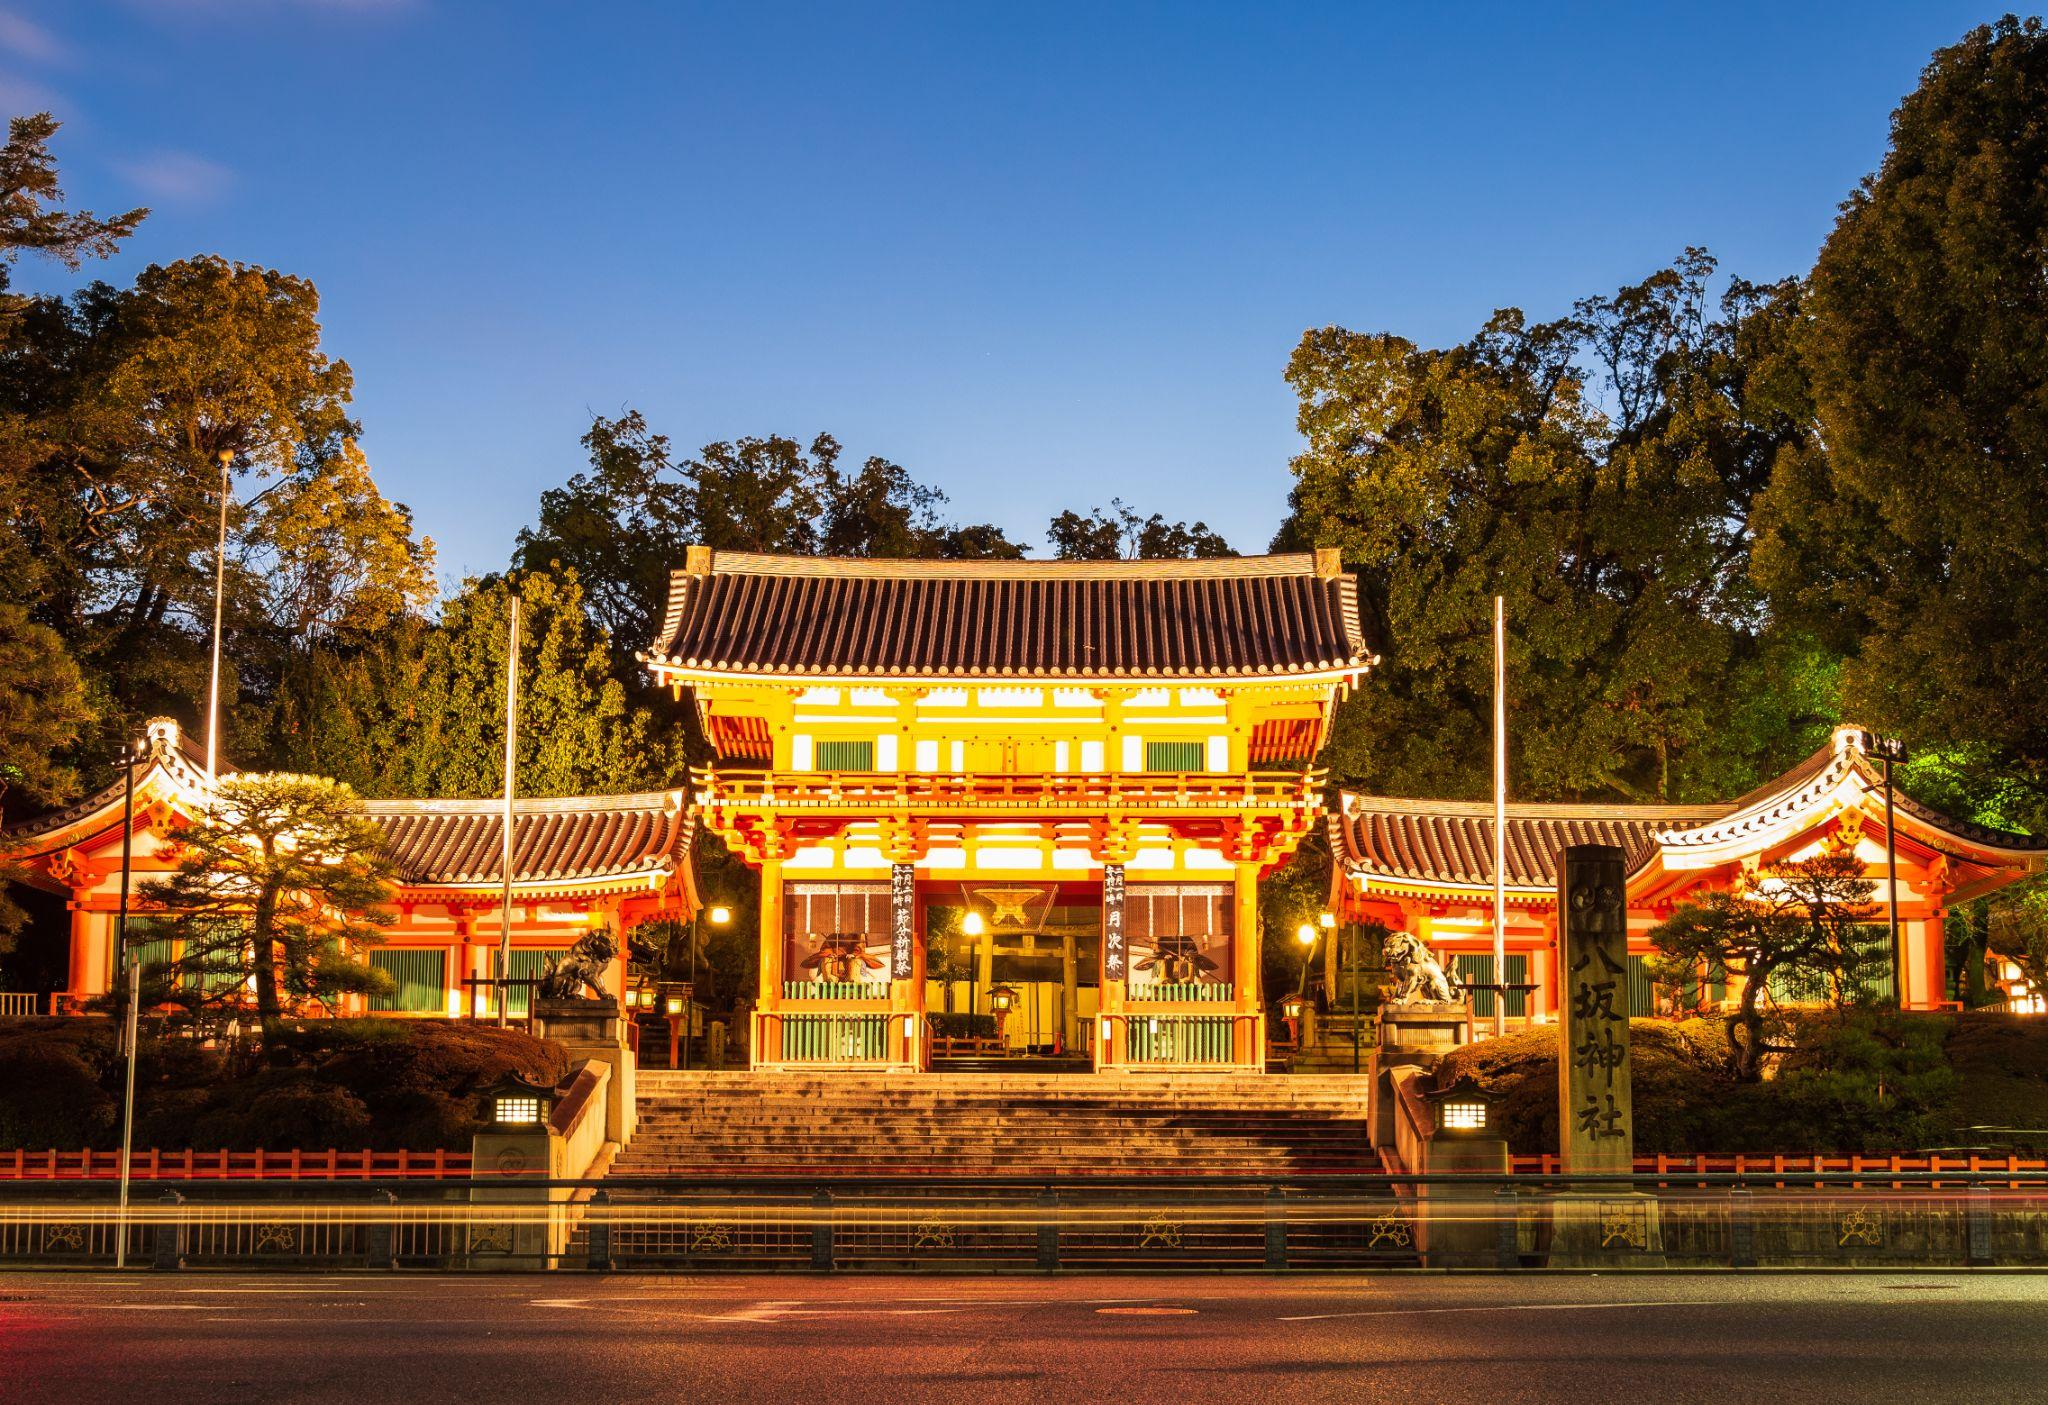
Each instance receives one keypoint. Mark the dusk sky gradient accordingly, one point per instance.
(1041, 255)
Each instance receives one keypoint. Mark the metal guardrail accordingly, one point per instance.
(1162, 1222)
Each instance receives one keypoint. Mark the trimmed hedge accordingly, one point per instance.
(1861, 1082)
(383, 1084)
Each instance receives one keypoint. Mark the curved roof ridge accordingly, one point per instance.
(751, 615)
(530, 804)
(1538, 809)
(761, 563)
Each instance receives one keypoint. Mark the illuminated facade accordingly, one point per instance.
(578, 864)
(1039, 791)
(1426, 867)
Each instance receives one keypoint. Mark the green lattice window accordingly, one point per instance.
(218, 964)
(526, 966)
(846, 756)
(418, 981)
(1807, 988)
(1479, 970)
(1173, 756)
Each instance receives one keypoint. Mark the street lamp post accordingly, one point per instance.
(1330, 920)
(1890, 750)
(1306, 935)
(720, 915)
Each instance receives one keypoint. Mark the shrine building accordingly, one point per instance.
(1024, 807)
(577, 864)
(1426, 867)
(1040, 791)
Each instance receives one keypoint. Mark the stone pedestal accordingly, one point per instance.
(1414, 1035)
(596, 1029)
(1425, 1026)
(514, 1240)
(1459, 1226)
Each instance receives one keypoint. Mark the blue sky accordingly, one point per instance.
(1039, 254)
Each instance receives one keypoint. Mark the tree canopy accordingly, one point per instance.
(1596, 471)
(1914, 543)
(420, 710)
(622, 524)
(1121, 532)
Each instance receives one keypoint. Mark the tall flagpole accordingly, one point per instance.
(1500, 818)
(220, 575)
(505, 859)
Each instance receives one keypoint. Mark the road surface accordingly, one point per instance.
(143, 1339)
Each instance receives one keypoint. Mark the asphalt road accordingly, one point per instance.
(1655, 1338)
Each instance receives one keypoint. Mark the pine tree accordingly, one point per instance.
(278, 888)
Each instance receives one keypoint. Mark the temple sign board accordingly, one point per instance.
(1596, 1117)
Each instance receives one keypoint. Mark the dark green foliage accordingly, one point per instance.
(32, 220)
(1678, 1084)
(1915, 544)
(59, 1087)
(2004, 1063)
(421, 709)
(1596, 471)
(623, 524)
(1295, 894)
(1868, 1081)
(380, 1084)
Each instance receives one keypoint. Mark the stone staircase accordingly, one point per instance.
(997, 1124)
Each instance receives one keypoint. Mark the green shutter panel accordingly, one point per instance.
(1476, 970)
(1173, 756)
(846, 756)
(526, 965)
(418, 982)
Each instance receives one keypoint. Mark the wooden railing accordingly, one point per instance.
(1032, 791)
(15, 1005)
(152, 1164)
(869, 1039)
(1156, 1040)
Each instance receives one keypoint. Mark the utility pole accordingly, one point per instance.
(1888, 750)
(131, 964)
(220, 576)
(505, 856)
(1500, 818)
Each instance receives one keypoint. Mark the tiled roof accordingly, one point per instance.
(733, 612)
(171, 755)
(1845, 761)
(1451, 842)
(585, 837)
(1448, 841)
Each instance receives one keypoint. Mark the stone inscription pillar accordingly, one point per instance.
(1596, 1120)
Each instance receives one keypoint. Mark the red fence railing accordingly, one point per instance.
(1791, 1168)
(329, 1165)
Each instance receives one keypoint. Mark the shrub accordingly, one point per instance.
(1679, 1083)
(382, 1084)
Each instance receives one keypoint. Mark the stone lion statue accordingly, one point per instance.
(1419, 978)
(565, 976)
